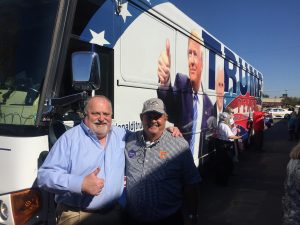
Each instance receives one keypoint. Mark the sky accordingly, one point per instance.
(266, 34)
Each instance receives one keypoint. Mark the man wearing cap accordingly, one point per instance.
(161, 174)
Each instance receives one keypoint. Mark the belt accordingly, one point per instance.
(65, 207)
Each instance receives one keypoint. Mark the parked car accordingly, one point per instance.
(279, 113)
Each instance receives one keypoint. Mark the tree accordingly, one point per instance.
(291, 101)
(265, 96)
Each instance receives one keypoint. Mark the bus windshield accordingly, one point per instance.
(26, 29)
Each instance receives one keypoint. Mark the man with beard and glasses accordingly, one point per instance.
(161, 174)
(85, 168)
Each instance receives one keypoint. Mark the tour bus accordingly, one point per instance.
(54, 54)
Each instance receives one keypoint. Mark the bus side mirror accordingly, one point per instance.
(86, 71)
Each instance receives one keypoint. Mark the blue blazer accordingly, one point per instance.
(179, 105)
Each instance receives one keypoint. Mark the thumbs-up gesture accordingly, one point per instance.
(164, 65)
(92, 184)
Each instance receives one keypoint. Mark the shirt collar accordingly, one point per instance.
(141, 139)
(88, 131)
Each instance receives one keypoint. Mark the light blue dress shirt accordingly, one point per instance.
(78, 153)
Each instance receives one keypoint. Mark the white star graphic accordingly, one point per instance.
(148, 2)
(98, 38)
(124, 11)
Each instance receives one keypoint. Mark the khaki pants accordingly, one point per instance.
(66, 216)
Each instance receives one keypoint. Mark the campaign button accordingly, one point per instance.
(131, 153)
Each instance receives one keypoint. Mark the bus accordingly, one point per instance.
(56, 53)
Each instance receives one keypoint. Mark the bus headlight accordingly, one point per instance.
(24, 205)
(3, 210)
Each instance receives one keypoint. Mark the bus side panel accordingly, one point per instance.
(139, 36)
(19, 161)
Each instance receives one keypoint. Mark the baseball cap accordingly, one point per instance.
(154, 105)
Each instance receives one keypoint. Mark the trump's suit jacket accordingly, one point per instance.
(179, 105)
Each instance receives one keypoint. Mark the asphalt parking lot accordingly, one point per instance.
(253, 195)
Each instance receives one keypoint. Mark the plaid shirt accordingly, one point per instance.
(156, 174)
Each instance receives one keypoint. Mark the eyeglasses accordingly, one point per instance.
(152, 115)
(140, 154)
